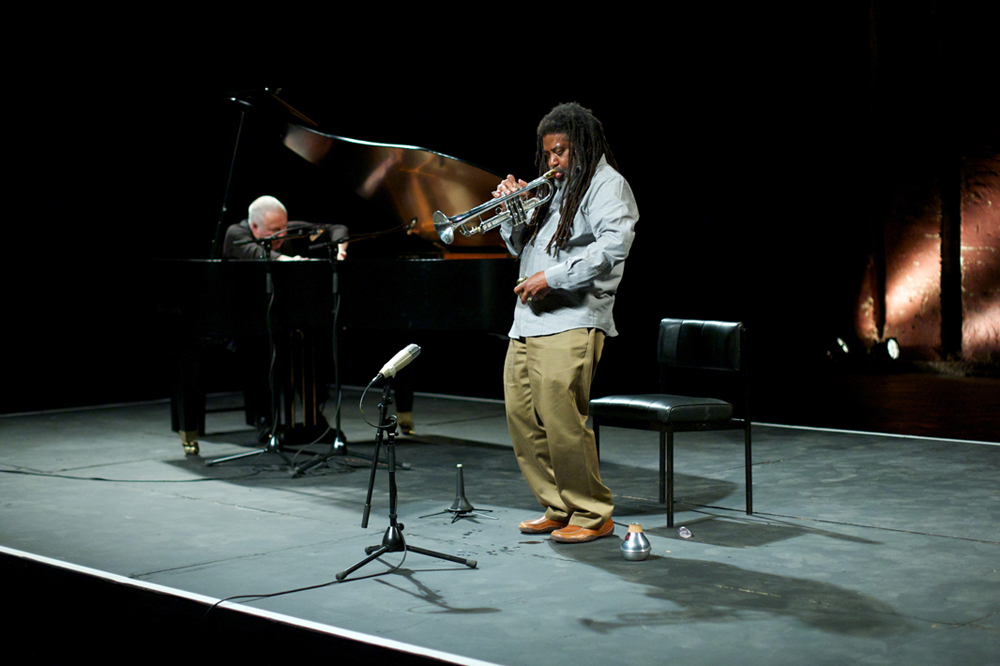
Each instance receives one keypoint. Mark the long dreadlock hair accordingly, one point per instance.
(587, 144)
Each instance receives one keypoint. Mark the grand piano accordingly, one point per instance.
(458, 288)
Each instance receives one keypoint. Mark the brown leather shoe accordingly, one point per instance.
(540, 526)
(575, 534)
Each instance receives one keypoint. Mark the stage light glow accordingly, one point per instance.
(913, 294)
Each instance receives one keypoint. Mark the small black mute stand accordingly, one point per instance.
(393, 540)
(461, 507)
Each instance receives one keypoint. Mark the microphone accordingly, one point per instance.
(402, 359)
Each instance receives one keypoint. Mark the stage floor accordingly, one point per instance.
(864, 548)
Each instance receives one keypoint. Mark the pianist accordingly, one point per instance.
(571, 262)
(268, 217)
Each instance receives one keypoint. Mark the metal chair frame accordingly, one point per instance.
(694, 345)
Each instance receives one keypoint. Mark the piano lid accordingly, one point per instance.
(407, 182)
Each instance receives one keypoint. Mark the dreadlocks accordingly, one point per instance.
(586, 138)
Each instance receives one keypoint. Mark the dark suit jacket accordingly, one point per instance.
(291, 247)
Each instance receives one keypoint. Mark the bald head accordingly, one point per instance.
(268, 217)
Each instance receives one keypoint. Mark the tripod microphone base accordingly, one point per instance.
(273, 446)
(393, 542)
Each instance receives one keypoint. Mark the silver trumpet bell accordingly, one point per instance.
(513, 207)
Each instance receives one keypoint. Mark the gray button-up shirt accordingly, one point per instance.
(584, 275)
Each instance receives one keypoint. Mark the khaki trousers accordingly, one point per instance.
(547, 392)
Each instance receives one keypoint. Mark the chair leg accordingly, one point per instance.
(663, 467)
(670, 475)
(749, 470)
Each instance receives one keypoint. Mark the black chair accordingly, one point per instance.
(695, 350)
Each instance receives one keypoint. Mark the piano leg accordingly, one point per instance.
(189, 440)
(187, 400)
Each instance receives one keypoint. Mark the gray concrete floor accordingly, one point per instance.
(868, 549)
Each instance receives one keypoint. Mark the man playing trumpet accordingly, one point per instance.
(572, 255)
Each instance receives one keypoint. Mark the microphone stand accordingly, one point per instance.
(339, 445)
(273, 442)
(393, 540)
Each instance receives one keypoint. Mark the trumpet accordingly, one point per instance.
(517, 210)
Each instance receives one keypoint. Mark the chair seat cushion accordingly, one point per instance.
(661, 407)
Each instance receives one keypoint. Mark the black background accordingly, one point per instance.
(754, 142)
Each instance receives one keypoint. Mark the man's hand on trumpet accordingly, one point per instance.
(508, 185)
(533, 288)
(536, 286)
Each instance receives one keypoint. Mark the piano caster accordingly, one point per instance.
(189, 440)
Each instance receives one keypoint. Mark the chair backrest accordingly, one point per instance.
(700, 345)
